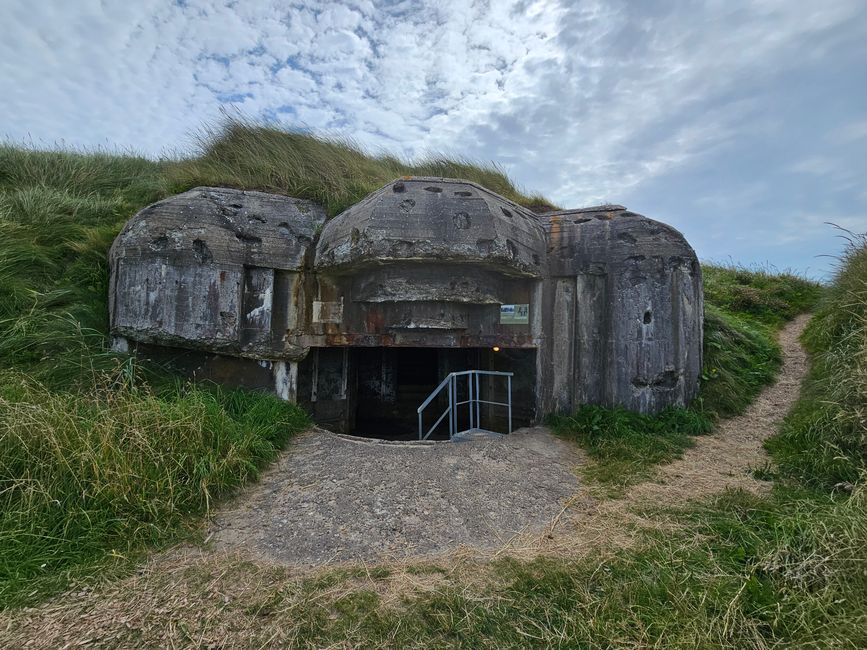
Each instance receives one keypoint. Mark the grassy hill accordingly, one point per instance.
(102, 457)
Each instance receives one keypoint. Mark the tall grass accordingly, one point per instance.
(120, 466)
(335, 173)
(824, 440)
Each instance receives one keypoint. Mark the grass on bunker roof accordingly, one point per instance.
(334, 173)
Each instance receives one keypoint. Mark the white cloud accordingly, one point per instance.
(586, 101)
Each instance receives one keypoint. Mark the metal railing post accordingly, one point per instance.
(509, 378)
(451, 409)
(470, 401)
(474, 400)
(478, 397)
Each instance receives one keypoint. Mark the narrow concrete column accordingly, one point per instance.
(286, 380)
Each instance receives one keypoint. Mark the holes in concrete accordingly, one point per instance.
(648, 317)
(580, 221)
(256, 218)
(398, 188)
(484, 246)
(283, 228)
(248, 238)
(463, 194)
(535, 259)
(513, 250)
(159, 243)
(627, 238)
(434, 190)
(462, 220)
(407, 204)
(506, 212)
(202, 252)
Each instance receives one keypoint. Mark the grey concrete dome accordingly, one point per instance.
(423, 218)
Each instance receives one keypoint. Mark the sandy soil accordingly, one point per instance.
(224, 597)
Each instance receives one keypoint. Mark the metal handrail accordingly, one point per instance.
(450, 382)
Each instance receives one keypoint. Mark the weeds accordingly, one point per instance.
(627, 445)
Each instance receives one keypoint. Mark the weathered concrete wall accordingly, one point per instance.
(215, 269)
(627, 307)
(436, 219)
(610, 301)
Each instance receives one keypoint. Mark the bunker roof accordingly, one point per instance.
(430, 218)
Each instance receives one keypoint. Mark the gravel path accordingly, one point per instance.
(334, 498)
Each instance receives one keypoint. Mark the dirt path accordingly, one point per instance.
(197, 597)
(722, 460)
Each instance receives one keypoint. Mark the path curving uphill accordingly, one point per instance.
(723, 460)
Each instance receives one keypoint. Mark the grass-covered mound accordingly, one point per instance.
(743, 310)
(336, 174)
(100, 457)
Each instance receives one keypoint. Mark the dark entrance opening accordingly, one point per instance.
(391, 383)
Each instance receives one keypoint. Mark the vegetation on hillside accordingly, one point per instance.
(743, 310)
(824, 440)
(335, 174)
(100, 456)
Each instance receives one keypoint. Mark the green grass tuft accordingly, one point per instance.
(626, 445)
(761, 295)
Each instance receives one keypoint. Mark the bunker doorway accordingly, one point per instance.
(391, 383)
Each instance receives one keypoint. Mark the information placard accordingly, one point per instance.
(514, 314)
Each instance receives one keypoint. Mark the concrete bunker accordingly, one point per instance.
(358, 317)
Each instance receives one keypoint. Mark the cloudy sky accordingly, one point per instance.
(744, 124)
